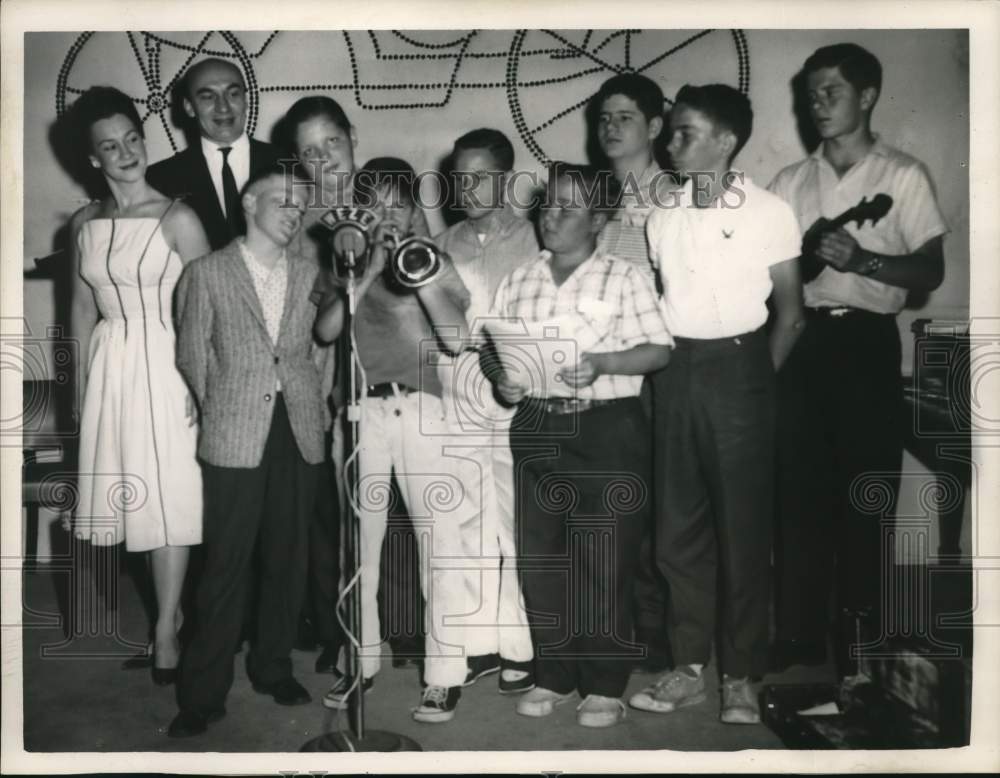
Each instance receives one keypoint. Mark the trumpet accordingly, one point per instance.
(414, 261)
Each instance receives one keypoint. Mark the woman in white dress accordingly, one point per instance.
(139, 480)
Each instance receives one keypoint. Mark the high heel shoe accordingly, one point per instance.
(164, 676)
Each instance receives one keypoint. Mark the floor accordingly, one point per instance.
(77, 697)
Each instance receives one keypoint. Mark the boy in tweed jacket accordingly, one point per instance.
(245, 347)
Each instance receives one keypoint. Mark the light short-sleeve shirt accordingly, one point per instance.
(715, 261)
(483, 261)
(814, 190)
(602, 284)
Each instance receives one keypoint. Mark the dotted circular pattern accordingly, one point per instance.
(547, 76)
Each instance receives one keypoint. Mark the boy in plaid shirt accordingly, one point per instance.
(582, 462)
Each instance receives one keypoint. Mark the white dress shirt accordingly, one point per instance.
(814, 189)
(239, 163)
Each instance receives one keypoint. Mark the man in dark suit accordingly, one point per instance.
(210, 174)
(245, 346)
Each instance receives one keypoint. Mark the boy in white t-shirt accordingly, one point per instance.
(722, 250)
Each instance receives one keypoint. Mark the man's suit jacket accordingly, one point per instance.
(186, 175)
(231, 365)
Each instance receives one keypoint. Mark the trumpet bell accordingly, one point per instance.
(416, 261)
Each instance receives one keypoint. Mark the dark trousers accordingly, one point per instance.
(583, 492)
(272, 502)
(650, 585)
(715, 441)
(839, 455)
(324, 559)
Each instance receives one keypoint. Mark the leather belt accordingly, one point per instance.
(564, 405)
(386, 389)
(840, 311)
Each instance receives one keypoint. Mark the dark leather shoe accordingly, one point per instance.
(786, 653)
(327, 659)
(189, 723)
(287, 691)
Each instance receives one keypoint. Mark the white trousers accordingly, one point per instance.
(480, 429)
(409, 434)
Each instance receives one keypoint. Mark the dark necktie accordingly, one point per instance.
(234, 209)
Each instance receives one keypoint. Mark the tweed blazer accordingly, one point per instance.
(232, 367)
(186, 175)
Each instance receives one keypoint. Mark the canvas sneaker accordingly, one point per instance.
(338, 695)
(437, 704)
(679, 688)
(739, 703)
(541, 702)
(516, 677)
(598, 711)
(479, 666)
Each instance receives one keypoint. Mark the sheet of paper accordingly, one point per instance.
(533, 354)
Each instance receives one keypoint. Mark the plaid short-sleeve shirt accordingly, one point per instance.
(608, 293)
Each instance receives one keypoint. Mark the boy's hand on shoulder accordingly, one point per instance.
(585, 372)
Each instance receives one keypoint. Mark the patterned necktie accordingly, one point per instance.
(234, 210)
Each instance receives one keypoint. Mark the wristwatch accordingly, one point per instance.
(871, 266)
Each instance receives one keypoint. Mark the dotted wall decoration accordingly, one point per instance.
(546, 76)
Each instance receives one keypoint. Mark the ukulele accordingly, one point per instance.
(867, 210)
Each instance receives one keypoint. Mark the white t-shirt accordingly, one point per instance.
(813, 190)
(715, 262)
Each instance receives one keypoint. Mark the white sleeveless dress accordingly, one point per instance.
(139, 480)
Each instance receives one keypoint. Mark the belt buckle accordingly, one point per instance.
(564, 405)
(838, 312)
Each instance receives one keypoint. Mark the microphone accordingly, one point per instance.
(350, 242)
(350, 238)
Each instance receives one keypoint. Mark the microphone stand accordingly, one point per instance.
(365, 740)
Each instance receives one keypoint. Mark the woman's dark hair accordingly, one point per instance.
(97, 103)
(307, 108)
(493, 141)
(393, 172)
